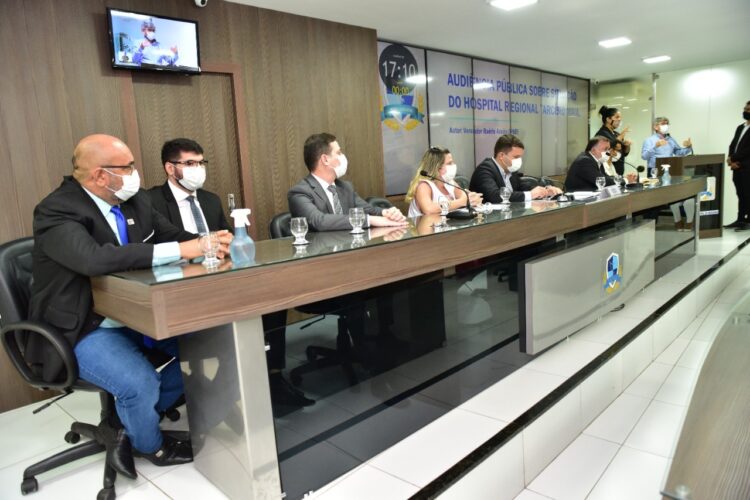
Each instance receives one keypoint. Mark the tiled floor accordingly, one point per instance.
(623, 453)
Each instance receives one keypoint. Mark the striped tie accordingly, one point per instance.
(197, 215)
(336, 203)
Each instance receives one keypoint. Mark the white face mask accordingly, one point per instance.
(341, 169)
(663, 129)
(450, 172)
(193, 178)
(604, 157)
(130, 185)
(150, 35)
(616, 157)
(515, 165)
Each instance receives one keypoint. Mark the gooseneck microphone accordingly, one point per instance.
(455, 215)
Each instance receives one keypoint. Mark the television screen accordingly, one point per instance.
(143, 41)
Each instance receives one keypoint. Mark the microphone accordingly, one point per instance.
(472, 212)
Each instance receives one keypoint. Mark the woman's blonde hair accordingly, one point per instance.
(431, 162)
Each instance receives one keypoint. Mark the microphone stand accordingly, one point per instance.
(454, 215)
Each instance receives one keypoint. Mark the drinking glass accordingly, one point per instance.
(230, 202)
(357, 219)
(653, 172)
(445, 206)
(298, 227)
(209, 243)
(505, 195)
(600, 183)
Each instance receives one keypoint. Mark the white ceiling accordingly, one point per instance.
(554, 35)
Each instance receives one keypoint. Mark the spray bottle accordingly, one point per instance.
(242, 248)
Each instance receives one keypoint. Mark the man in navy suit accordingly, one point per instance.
(584, 170)
(739, 161)
(99, 222)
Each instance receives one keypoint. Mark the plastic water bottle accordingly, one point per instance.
(666, 179)
(242, 248)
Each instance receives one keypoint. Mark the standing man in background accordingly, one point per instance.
(739, 161)
(663, 145)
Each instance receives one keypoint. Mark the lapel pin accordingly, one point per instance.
(131, 222)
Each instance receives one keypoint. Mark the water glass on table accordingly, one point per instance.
(357, 219)
(600, 183)
(298, 227)
(505, 193)
(209, 243)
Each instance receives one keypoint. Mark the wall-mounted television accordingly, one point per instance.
(148, 42)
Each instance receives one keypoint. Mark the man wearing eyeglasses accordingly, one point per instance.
(182, 199)
(99, 222)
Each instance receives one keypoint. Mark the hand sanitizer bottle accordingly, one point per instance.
(666, 179)
(242, 248)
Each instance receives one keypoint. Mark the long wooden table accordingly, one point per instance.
(223, 308)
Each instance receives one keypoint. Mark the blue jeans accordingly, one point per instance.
(113, 359)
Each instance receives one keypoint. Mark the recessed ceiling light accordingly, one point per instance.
(626, 107)
(646, 109)
(511, 4)
(619, 97)
(633, 99)
(615, 42)
(656, 59)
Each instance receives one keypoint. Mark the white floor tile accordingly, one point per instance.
(531, 495)
(600, 389)
(657, 430)
(632, 475)
(145, 491)
(709, 329)
(26, 435)
(186, 483)
(694, 354)
(678, 387)
(636, 356)
(615, 423)
(499, 477)
(551, 433)
(513, 395)
(576, 470)
(368, 483)
(567, 357)
(82, 406)
(672, 353)
(608, 329)
(650, 381)
(421, 457)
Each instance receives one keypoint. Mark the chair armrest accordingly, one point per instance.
(58, 342)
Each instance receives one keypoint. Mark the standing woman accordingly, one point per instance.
(611, 119)
(423, 193)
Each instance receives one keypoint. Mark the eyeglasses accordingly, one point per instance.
(190, 163)
(128, 168)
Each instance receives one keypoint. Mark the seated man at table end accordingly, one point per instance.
(184, 202)
(99, 222)
(587, 166)
(324, 199)
(499, 172)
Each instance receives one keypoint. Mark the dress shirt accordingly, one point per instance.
(186, 214)
(506, 179)
(650, 152)
(164, 253)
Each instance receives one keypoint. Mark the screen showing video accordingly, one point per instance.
(144, 41)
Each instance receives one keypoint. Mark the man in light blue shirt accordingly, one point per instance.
(663, 145)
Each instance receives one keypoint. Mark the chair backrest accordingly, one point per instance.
(378, 202)
(279, 226)
(15, 280)
(461, 181)
(529, 182)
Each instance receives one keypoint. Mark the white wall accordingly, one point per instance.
(704, 104)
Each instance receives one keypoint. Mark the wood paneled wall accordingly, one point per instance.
(299, 76)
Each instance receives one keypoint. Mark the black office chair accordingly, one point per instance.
(378, 202)
(15, 293)
(529, 182)
(318, 356)
(461, 181)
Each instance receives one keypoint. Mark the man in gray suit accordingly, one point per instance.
(324, 199)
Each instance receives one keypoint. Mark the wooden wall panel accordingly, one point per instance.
(299, 76)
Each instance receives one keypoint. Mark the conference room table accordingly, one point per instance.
(216, 312)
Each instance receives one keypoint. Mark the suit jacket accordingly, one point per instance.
(72, 242)
(487, 180)
(583, 172)
(163, 200)
(307, 199)
(742, 154)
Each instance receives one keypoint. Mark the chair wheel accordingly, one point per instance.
(72, 437)
(106, 494)
(173, 414)
(29, 485)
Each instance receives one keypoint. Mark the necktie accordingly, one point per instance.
(122, 227)
(197, 215)
(336, 203)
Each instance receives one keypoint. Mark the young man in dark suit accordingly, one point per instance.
(324, 199)
(99, 222)
(584, 170)
(738, 160)
(182, 199)
(493, 174)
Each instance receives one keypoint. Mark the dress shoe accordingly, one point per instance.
(679, 225)
(734, 224)
(689, 226)
(120, 455)
(172, 452)
(284, 394)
